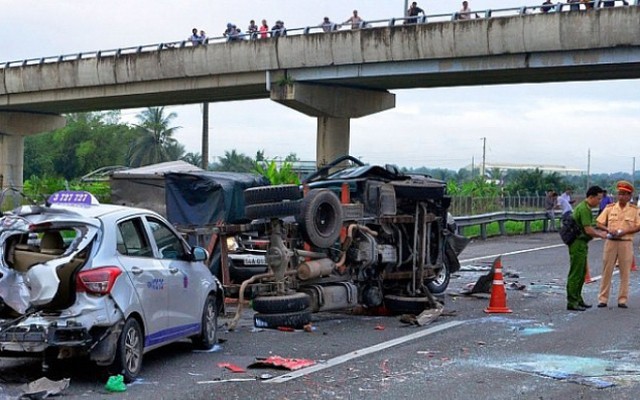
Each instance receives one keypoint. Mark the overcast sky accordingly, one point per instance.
(553, 124)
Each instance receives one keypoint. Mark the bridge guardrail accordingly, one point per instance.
(523, 10)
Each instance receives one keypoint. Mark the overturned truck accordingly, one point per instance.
(352, 234)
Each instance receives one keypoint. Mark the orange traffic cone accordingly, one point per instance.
(633, 263)
(587, 276)
(498, 300)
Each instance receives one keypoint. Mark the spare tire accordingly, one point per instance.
(406, 305)
(272, 210)
(295, 320)
(281, 304)
(320, 218)
(271, 194)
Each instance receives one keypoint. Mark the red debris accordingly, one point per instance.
(291, 364)
(231, 367)
(286, 329)
(379, 327)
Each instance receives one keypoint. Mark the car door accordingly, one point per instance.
(148, 275)
(186, 300)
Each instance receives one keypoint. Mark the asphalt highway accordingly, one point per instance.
(539, 351)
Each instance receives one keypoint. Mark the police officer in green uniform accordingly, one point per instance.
(579, 248)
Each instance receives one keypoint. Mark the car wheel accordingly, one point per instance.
(440, 283)
(209, 329)
(320, 218)
(128, 361)
(296, 320)
(281, 304)
(271, 194)
(406, 305)
(272, 210)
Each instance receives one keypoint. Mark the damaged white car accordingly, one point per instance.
(78, 278)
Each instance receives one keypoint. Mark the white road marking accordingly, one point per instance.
(512, 253)
(468, 260)
(362, 352)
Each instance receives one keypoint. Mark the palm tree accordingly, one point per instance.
(236, 162)
(193, 159)
(156, 142)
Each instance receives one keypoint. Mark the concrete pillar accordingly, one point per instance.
(14, 126)
(334, 106)
(330, 146)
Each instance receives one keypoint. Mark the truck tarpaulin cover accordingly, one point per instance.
(200, 198)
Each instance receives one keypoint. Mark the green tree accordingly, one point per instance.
(235, 162)
(155, 142)
(88, 141)
(193, 159)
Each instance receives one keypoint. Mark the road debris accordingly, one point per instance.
(291, 364)
(43, 388)
(116, 384)
(231, 367)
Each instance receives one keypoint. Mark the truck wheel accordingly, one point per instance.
(271, 194)
(128, 361)
(320, 218)
(440, 283)
(406, 305)
(281, 304)
(209, 329)
(296, 320)
(272, 210)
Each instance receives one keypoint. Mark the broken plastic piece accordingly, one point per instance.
(231, 367)
(44, 388)
(291, 364)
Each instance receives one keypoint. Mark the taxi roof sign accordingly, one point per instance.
(73, 197)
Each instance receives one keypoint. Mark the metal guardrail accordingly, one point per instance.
(490, 13)
(502, 217)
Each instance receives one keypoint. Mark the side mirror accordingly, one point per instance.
(199, 254)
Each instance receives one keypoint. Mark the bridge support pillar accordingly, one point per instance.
(14, 126)
(334, 106)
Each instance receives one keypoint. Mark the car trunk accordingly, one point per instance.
(39, 262)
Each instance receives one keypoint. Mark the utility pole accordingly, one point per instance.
(205, 136)
(473, 166)
(406, 7)
(484, 154)
(588, 169)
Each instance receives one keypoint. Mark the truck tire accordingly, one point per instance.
(320, 218)
(406, 305)
(281, 304)
(271, 194)
(440, 283)
(296, 320)
(272, 210)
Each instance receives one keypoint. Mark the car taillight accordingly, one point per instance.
(98, 280)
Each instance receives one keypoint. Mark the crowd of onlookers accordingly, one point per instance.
(263, 31)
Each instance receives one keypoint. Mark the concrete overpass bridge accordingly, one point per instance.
(331, 76)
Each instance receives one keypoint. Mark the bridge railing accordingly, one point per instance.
(524, 10)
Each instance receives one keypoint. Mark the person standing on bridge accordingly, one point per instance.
(579, 249)
(621, 221)
(264, 29)
(465, 12)
(414, 11)
(327, 25)
(354, 20)
(252, 30)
